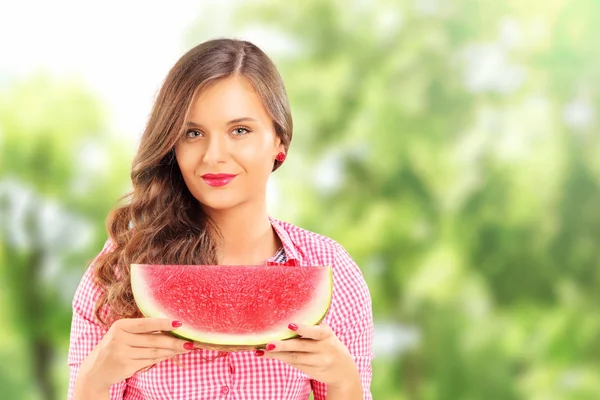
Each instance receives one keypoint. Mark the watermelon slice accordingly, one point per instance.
(233, 307)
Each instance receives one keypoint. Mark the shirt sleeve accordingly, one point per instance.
(86, 330)
(353, 320)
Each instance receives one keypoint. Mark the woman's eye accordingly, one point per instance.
(240, 131)
(193, 134)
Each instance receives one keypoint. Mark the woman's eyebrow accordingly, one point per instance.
(233, 121)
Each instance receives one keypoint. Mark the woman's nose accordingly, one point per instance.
(216, 149)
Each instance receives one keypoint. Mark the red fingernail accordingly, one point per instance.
(293, 327)
(188, 346)
(260, 353)
(176, 324)
(270, 347)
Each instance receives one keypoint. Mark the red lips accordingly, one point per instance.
(217, 180)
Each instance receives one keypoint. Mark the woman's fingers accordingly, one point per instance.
(315, 332)
(315, 348)
(146, 325)
(158, 340)
(154, 346)
(311, 339)
(296, 345)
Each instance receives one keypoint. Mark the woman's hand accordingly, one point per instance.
(320, 355)
(129, 346)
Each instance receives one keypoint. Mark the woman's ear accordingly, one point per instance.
(279, 147)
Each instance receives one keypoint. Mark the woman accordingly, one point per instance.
(220, 125)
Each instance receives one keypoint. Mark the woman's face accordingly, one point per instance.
(230, 145)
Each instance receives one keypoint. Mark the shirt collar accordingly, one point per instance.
(293, 258)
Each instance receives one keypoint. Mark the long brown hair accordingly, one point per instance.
(162, 222)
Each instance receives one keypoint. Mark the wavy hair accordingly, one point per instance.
(161, 223)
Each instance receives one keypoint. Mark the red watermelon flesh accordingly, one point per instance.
(233, 306)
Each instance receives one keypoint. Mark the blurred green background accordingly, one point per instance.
(451, 146)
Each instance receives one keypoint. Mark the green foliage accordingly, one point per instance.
(60, 175)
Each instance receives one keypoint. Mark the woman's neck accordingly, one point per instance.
(247, 237)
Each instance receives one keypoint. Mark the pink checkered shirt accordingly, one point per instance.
(242, 375)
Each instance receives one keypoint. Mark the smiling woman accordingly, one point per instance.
(221, 152)
(220, 126)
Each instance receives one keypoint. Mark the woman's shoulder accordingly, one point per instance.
(297, 233)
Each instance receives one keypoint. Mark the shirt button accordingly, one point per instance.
(224, 390)
(231, 369)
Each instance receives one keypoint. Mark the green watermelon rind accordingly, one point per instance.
(286, 335)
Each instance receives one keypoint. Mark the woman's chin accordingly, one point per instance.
(220, 204)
